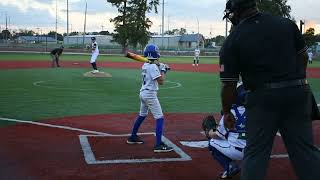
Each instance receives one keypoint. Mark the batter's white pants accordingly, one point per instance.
(225, 148)
(149, 101)
(94, 57)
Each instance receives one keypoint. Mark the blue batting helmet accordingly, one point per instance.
(93, 38)
(151, 52)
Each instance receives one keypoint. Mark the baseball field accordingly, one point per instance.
(56, 123)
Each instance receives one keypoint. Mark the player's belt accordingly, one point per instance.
(281, 84)
(284, 84)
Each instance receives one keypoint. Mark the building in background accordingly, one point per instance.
(103, 40)
(318, 48)
(191, 41)
(35, 39)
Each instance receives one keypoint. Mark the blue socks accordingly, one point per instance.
(159, 128)
(137, 124)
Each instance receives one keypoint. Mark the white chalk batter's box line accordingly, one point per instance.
(91, 159)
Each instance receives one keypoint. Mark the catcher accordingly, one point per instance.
(227, 145)
(55, 54)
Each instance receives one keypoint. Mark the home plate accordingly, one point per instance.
(98, 74)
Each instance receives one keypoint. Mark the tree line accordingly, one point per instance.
(132, 24)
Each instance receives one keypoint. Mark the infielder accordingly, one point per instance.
(196, 57)
(310, 56)
(227, 145)
(152, 74)
(95, 54)
(55, 53)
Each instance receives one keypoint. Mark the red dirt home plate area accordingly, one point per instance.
(93, 147)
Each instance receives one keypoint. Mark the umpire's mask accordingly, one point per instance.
(234, 8)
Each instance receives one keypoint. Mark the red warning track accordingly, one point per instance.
(210, 68)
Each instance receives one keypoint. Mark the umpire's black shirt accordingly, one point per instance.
(263, 49)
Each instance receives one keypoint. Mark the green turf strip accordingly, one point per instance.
(110, 58)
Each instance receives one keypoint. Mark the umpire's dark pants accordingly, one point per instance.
(287, 110)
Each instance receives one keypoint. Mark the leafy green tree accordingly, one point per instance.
(122, 27)
(317, 37)
(309, 37)
(24, 32)
(141, 23)
(53, 34)
(6, 34)
(132, 25)
(104, 33)
(275, 7)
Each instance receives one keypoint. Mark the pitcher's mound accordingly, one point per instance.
(98, 74)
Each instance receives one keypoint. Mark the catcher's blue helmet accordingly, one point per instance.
(151, 52)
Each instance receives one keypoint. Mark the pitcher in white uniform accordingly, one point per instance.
(196, 57)
(153, 74)
(227, 145)
(95, 54)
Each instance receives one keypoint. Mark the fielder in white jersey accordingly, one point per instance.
(152, 75)
(196, 57)
(95, 54)
(227, 145)
(310, 56)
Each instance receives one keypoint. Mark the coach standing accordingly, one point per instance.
(55, 54)
(270, 55)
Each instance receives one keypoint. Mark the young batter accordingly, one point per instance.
(152, 76)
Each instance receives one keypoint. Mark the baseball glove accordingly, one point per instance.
(209, 123)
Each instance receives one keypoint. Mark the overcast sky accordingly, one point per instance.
(40, 15)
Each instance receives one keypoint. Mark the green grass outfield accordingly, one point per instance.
(36, 94)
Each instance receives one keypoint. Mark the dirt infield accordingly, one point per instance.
(94, 148)
(61, 148)
(210, 68)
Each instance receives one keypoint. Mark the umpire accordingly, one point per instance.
(55, 54)
(269, 53)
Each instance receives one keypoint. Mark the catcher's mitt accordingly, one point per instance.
(209, 123)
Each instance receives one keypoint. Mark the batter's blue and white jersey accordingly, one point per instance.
(235, 137)
(150, 72)
(95, 48)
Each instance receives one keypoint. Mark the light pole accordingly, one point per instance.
(198, 33)
(226, 25)
(162, 22)
(67, 21)
(85, 24)
(56, 22)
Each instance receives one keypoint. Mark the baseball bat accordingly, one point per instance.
(137, 57)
